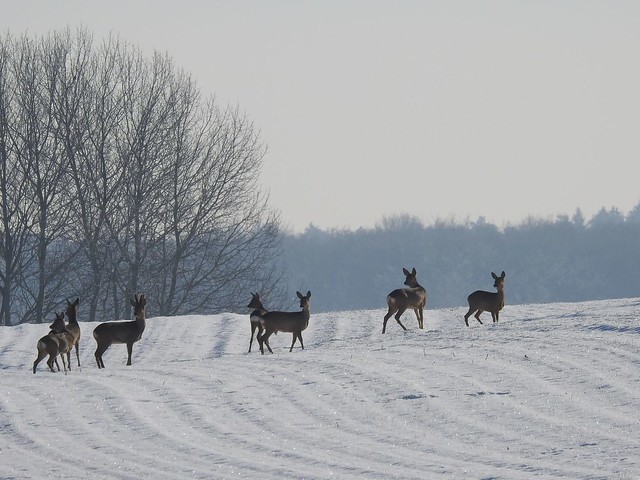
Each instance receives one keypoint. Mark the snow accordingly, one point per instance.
(552, 391)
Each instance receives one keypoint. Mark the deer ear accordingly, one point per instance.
(308, 293)
(413, 272)
(503, 274)
(406, 272)
(495, 277)
(77, 301)
(299, 295)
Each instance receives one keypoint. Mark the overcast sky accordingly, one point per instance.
(448, 109)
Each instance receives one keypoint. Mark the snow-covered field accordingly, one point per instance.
(552, 391)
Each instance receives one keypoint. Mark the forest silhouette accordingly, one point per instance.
(563, 259)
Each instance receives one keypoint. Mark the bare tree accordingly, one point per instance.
(30, 147)
(90, 129)
(13, 189)
(219, 232)
(39, 84)
(113, 159)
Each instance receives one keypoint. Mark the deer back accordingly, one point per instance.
(486, 301)
(126, 331)
(119, 332)
(489, 301)
(65, 341)
(275, 321)
(61, 335)
(50, 343)
(415, 296)
(408, 297)
(285, 321)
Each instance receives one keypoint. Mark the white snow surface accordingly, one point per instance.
(551, 391)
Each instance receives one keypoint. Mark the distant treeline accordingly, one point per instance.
(546, 260)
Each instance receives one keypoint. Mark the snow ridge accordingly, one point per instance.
(550, 391)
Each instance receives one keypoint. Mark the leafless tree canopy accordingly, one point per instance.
(117, 176)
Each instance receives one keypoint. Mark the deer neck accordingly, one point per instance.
(140, 322)
(71, 316)
(306, 313)
(500, 295)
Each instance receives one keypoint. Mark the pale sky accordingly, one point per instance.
(442, 109)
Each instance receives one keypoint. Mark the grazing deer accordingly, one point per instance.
(255, 316)
(51, 344)
(414, 297)
(109, 333)
(481, 301)
(73, 327)
(292, 322)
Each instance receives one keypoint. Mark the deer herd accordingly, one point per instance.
(63, 337)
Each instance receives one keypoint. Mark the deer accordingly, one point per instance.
(291, 322)
(73, 327)
(255, 316)
(65, 340)
(481, 301)
(52, 344)
(128, 332)
(414, 297)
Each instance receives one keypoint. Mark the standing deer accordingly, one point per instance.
(65, 340)
(399, 300)
(292, 322)
(481, 301)
(130, 332)
(51, 344)
(255, 316)
(73, 327)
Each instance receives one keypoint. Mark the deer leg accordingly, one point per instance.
(253, 330)
(129, 351)
(50, 363)
(77, 353)
(497, 317)
(295, 335)
(68, 359)
(264, 340)
(260, 333)
(420, 317)
(397, 317)
(477, 315)
(467, 315)
(63, 364)
(41, 355)
(99, 351)
(260, 342)
(299, 336)
(387, 317)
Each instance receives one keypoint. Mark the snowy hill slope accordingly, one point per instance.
(551, 391)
